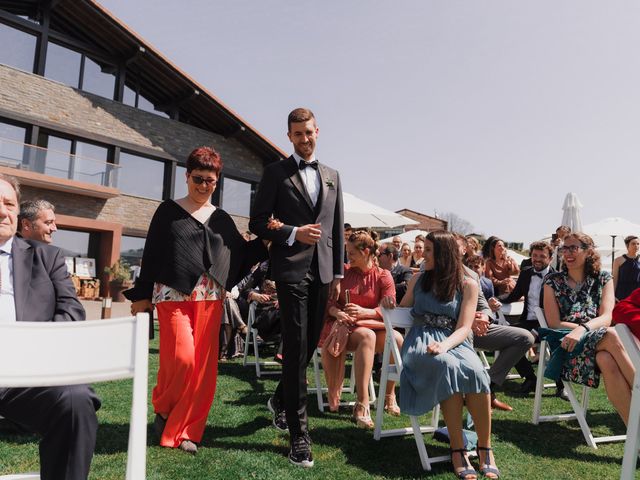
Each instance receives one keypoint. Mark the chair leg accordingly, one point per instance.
(631, 445)
(537, 400)
(580, 413)
(422, 450)
(316, 376)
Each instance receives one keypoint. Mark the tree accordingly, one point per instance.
(457, 224)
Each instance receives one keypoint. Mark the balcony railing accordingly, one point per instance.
(57, 164)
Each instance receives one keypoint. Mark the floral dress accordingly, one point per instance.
(580, 306)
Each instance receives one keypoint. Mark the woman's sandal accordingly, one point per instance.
(487, 467)
(364, 420)
(390, 405)
(467, 468)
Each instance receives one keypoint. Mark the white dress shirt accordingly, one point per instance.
(533, 296)
(7, 301)
(311, 180)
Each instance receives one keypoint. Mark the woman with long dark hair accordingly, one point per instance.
(440, 364)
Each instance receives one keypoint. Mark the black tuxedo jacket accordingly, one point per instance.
(43, 291)
(282, 193)
(522, 290)
(401, 276)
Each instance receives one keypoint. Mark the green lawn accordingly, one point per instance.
(239, 442)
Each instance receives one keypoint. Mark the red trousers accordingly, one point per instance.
(189, 333)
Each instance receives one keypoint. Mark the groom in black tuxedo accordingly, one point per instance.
(306, 263)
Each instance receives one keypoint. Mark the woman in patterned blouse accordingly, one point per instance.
(580, 298)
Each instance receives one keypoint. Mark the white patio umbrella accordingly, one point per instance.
(360, 213)
(571, 212)
(609, 231)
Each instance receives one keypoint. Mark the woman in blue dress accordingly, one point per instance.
(440, 364)
(580, 298)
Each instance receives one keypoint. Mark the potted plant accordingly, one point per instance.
(120, 279)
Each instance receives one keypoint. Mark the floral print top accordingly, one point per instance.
(206, 289)
(578, 306)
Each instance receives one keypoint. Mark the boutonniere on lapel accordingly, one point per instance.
(330, 184)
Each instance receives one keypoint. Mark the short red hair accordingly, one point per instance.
(204, 158)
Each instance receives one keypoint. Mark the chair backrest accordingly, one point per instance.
(630, 342)
(44, 354)
(399, 317)
(541, 318)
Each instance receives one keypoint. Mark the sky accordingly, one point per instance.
(493, 110)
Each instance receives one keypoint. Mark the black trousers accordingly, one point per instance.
(66, 419)
(302, 309)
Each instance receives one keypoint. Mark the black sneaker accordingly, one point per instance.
(561, 393)
(300, 454)
(279, 417)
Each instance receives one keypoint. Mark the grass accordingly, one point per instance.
(239, 442)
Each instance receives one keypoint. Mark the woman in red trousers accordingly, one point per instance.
(192, 255)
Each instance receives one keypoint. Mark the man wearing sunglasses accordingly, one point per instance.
(306, 263)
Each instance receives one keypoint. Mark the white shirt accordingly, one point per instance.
(533, 296)
(311, 180)
(7, 301)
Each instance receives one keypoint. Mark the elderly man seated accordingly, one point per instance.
(35, 287)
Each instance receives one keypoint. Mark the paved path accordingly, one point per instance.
(94, 308)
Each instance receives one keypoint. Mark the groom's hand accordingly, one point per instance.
(309, 234)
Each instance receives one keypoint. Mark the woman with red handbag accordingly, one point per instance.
(363, 286)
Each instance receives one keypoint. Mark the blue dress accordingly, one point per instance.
(426, 380)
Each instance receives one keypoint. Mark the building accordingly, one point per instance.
(95, 120)
(427, 223)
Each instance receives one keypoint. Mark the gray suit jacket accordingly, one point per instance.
(282, 193)
(43, 291)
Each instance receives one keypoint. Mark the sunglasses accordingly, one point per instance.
(198, 180)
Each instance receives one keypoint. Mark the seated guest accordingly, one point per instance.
(476, 263)
(416, 256)
(37, 221)
(397, 242)
(348, 230)
(388, 259)
(486, 246)
(405, 255)
(557, 240)
(510, 342)
(36, 287)
(626, 269)
(580, 299)
(473, 246)
(232, 326)
(268, 315)
(500, 267)
(530, 286)
(363, 286)
(440, 364)
(627, 311)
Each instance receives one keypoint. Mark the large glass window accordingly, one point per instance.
(131, 249)
(129, 97)
(63, 65)
(180, 183)
(72, 243)
(140, 176)
(11, 144)
(236, 197)
(55, 158)
(96, 81)
(18, 48)
(90, 163)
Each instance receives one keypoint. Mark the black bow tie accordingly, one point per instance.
(537, 274)
(304, 164)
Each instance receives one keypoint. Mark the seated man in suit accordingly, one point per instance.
(35, 287)
(37, 220)
(530, 285)
(388, 259)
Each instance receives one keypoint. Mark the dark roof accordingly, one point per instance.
(159, 80)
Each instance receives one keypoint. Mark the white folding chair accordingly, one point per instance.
(252, 339)
(579, 406)
(401, 318)
(71, 353)
(633, 427)
(320, 390)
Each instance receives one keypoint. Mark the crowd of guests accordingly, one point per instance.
(316, 281)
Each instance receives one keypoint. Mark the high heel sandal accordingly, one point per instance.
(487, 467)
(364, 420)
(390, 405)
(467, 468)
